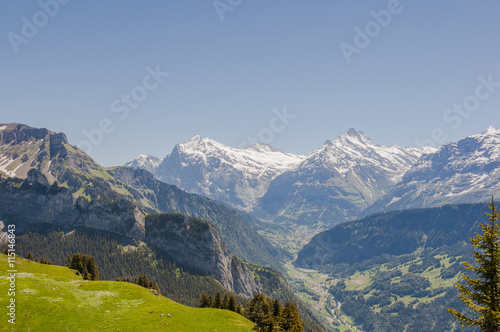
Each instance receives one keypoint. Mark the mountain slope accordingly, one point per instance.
(33, 203)
(336, 181)
(396, 271)
(392, 233)
(234, 226)
(22, 147)
(467, 171)
(54, 298)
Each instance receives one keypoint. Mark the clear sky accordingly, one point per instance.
(234, 67)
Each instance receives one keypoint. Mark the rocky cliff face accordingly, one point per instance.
(23, 148)
(240, 237)
(191, 242)
(35, 201)
(198, 244)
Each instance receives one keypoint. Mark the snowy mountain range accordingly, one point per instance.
(328, 185)
(206, 167)
(338, 180)
(467, 171)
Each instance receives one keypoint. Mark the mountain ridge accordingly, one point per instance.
(467, 171)
(50, 153)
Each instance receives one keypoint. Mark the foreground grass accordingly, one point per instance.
(54, 298)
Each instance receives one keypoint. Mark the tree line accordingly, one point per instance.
(266, 313)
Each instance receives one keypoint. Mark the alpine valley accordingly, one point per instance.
(360, 236)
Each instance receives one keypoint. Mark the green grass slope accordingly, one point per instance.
(54, 298)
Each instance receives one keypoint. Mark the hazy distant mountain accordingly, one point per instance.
(467, 171)
(146, 162)
(329, 185)
(336, 181)
(232, 175)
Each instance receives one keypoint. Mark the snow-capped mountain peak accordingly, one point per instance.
(467, 171)
(491, 131)
(146, 162)
(235, 175)
(359, 135)
(354, 149)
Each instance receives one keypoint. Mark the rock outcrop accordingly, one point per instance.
(199, 245)
(191, 242)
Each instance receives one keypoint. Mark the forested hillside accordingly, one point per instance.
(396, 271)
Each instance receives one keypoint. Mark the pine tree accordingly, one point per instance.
(232, 303)
(85, 265)
(30, 256)
(225, 302)
(239, 310)
(277, 308)
(257, 309)
(481, 292)
(211, 301)
(205, 301)
(291, 319)
(217, 301)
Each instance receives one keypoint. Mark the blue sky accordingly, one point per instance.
(228, 78)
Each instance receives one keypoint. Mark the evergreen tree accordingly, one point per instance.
(30, 256)
(85, 265)
(481, 292)
(232, 303)
(291, 319)
(123, 279)
(217, 301)
(205, 301)
(225, 302)
(211, 300)
(276, 308)
(257, 309)
(239, 310)
(143, 281)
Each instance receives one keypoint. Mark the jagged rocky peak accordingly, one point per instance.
(263, 147)
(467, 171)
(15, 133)
(195, 138)
(353, 136)
(353, 132)
(146, 162)
(491, 131)
(18, 133)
